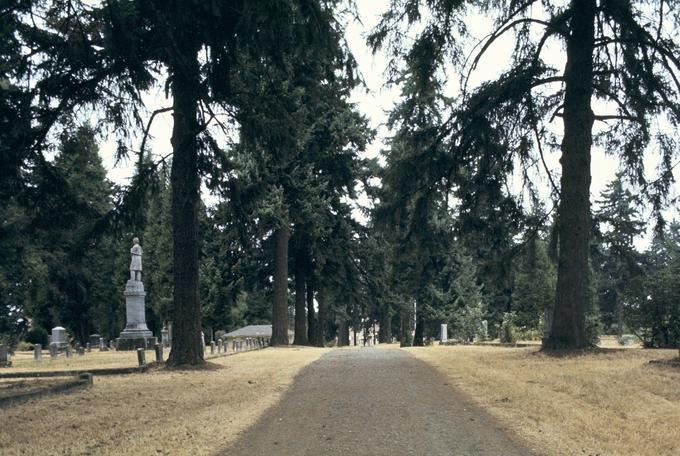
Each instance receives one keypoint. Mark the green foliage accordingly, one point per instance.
(534, 288)
(25, 346)
(508, 332)
(654, 314)
(37, 335)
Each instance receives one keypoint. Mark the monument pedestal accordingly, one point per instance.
(136, 334)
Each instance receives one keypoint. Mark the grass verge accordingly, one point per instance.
(161, 412)
(605, 403)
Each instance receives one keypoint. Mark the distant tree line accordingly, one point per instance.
(259, 93)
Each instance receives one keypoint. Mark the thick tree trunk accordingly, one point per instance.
(405, 327)
(300, 302)
(311, 313)
(280, 303)
(385, 332)
(321, 324)
(568, 326)
(343, 333)
(420, 330)
(185, 181)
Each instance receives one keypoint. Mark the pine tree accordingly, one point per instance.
(621, 264)
(611, 54)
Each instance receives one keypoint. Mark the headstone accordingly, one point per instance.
(94, 339)
(485, 330)
(140, 357)
(112, 345)
(136, 334)
(159, 352)
(37, 353)
(59, 338)
(54, 351)
(4, 356)
(69, 351)
(88, 347)
(212, 348)
(444, 333)
(233, 344)
(80, 351)
(102, 344)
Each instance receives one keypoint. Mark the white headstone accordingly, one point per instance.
(59, 337)
(444, 336)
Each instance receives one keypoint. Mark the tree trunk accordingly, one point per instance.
(619, 315)
(185, 181)
(300, 303)
(568, 325)
(420, 329)
(385, 332)
(311, 313)
(280, 304)
(404, 327)
(343, 333)
(321, 324)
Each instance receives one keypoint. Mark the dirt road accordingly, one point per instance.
(373, 402)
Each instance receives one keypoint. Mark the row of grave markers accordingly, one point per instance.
(241, 345)
(237, 345)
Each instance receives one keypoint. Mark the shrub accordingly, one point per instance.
(24, 346)
(37, 335)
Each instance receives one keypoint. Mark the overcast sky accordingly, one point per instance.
(376, 100)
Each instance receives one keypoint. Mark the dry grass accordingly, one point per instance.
(161, 412)
(607, 403)
(23, 361)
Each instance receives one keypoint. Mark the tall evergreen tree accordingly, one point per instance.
(620, 264)
(610, 54)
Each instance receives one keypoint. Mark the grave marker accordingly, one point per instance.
(37, 353)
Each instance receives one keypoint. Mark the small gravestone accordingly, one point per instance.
(219, 346)
(80, 351)
(69, 351)
(37, 353)
(485, 330)
(102, 344)
(212, 347)
(159, 352)
(444, 333)
(141, 357)
(4, 356)
(233, 345)
(54, 351)
(88, 347)
(112, 345)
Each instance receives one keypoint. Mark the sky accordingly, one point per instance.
(375, 101)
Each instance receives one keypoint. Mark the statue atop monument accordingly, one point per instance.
(136, 263)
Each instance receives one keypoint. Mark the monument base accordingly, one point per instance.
(133, 343)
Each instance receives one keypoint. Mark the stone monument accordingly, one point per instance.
(136, 334)
(59, 339)
(444, 335)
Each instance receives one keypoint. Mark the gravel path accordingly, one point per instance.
(373, 402)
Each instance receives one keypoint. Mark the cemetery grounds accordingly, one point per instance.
(612, 402)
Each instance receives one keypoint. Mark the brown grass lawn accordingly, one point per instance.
(160, 412)
(608, 403)
(23, 361)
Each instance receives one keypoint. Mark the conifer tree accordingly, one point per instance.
(610, 54)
